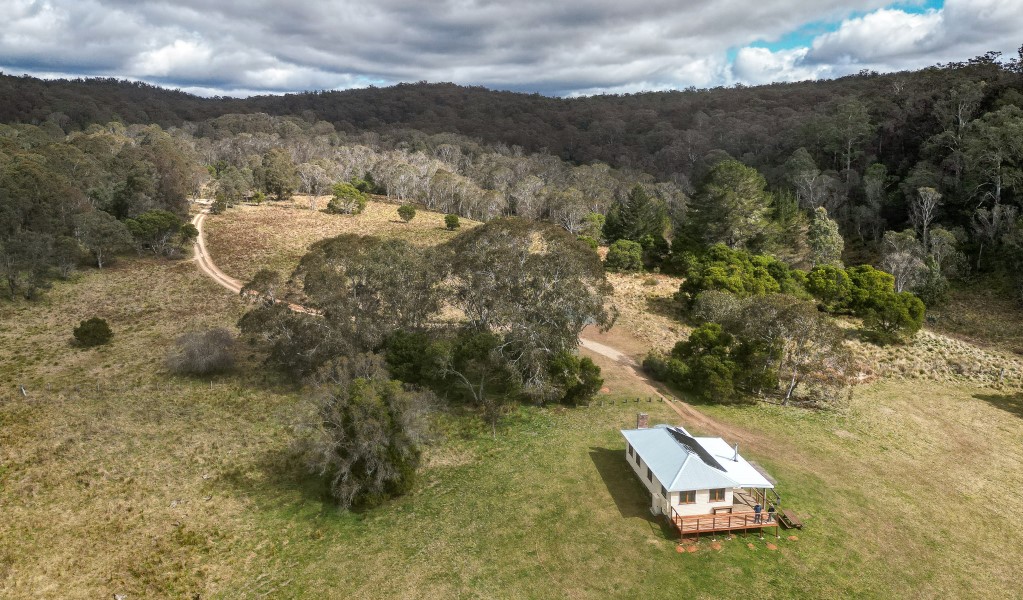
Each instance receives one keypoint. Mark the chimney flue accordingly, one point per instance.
(642, 421)
(736, 457)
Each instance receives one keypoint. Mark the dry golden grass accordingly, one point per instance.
(937, 357)
(276, 235)
(648, 314)
(982, 316)
(106, 469)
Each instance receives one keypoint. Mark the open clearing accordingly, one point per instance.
(118, 478)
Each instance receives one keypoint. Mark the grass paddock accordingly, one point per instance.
(117, 477)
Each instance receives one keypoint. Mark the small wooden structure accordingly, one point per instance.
(790, 520)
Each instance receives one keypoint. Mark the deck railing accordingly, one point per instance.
(697, 524)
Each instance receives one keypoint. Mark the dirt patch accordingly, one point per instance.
(771, 546)
(715, 546)
(647, 309)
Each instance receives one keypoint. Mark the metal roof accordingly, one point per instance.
(737, 467)
(679, 466)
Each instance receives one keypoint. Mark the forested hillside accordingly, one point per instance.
(938, 149)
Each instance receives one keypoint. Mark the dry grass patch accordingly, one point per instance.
(276, 235)
(981, 316)
(936, 357)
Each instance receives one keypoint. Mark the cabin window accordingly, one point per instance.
(664, 492)
(717, 495)
(649, 475)
(637, 459)
(631, 451)
(687, 497)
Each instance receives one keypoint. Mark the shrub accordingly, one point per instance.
(347, 200)
(831, 285)
(708, 368)
(203, 352)
(716, 306)
(933, 289)
(219, 205)
(452, 222)
(895, 318)
(869, 288)
(589, 241)
(593, 225)
(364, 435)
(735, 271)
(407, 212)
(155, 230)
(624, 255)
(577, 379)
(93, 332)
(366, 184)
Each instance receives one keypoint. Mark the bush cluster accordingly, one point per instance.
(860, 291)
(347, 200)
(93, 332)
(624, 256)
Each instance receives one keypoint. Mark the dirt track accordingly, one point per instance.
(691, 418)
(206, 264)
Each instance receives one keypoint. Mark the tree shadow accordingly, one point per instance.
(280, 479)
(630, 497)
(666, 306)
(1010, 403)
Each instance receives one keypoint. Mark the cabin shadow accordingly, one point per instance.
(628, 494)
(1010, 403)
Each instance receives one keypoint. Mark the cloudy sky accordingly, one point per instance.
(554, 47)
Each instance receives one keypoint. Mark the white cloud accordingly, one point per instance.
(893, 40)
(177, 58)
(880, 35)
(237, 46)
(760, 65)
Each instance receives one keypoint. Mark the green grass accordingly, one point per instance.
(118, 478)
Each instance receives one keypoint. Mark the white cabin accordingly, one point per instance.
(692, 475)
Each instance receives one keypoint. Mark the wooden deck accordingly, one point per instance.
(737, 521)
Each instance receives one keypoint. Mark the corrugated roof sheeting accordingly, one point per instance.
(680, 469)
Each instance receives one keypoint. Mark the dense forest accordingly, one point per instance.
(937, 153)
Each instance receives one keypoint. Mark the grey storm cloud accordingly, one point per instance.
(235, 47)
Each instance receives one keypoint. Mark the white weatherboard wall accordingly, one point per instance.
(703, 505)
(641, 468)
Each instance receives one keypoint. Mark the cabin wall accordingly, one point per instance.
(640, 467)
(703, 505)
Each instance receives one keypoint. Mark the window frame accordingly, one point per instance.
(632, 451)
(649, 475)
(687, 497)
(722, 492)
